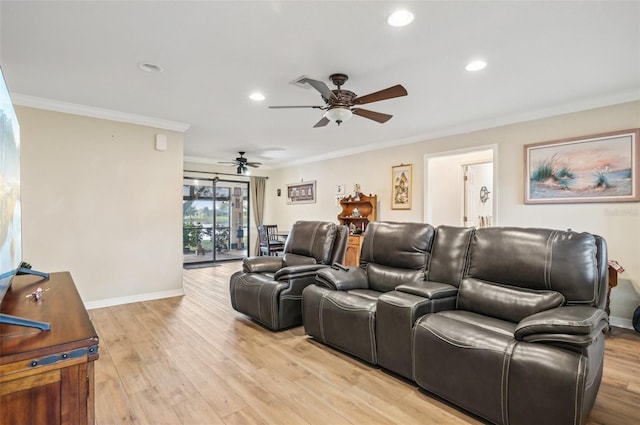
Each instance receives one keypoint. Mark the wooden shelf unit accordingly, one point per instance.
(367, 207)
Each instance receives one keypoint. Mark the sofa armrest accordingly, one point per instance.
(428, 289)
(342, 278)
(578, 325)
(291, 272)
(266, 264)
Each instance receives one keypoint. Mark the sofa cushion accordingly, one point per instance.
(385, 278)
(366, 293)
(400, 245)
(449, 254)
(312, 239)
(563, 261)
(290, 259)
(345, 320)
(505, 302)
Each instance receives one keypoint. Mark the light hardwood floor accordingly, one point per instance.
(194, 360)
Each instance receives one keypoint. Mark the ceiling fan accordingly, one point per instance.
(340, 103)
(241, 163)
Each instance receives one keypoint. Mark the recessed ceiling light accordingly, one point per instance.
(257, 96)
(476, 65)
(400, 18)
(149, 67)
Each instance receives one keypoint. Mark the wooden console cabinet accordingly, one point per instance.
(366, 207)
(47, 377)
(352, 251)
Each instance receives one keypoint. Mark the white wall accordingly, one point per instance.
(99, 201)
(619, 223)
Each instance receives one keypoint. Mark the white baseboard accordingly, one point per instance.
(133, 299)
(620, 323)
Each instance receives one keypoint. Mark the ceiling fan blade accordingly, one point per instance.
(390, 93)
(228, 162)
(324, 90)
(254, 164)
(324, 121)
(372, 115)
(284, 107)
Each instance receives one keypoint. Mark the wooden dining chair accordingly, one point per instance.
(270, 242)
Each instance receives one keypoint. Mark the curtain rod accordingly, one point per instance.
(219, 173)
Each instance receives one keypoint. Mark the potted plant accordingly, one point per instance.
(191, 237)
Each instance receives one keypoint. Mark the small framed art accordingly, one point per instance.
(301, 193)
(401, 181)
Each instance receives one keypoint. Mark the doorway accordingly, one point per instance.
(478, 190)
(215, 220)
(450, 199)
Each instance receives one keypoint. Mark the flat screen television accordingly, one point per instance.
(10, 207)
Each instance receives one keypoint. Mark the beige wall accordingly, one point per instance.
(619, 223)
(101, 202)
(98, 200)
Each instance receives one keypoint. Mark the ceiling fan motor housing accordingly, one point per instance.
(338, 79)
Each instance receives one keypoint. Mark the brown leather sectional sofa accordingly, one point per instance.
(506, 323)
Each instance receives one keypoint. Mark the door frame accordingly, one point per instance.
(213, 182)
(465, 155)
(466, 190)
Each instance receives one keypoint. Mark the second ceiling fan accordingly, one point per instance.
(340, 103)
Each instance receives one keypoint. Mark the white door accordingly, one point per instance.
(478, 189)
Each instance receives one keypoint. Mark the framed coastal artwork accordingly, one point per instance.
(401, 181)
(597, 168)
(301, 193)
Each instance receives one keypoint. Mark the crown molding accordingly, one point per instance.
(555, 110)
(90, 111)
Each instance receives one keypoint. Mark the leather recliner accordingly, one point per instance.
(525, 343)
(340, 310)
(269, 289)
(398, 310)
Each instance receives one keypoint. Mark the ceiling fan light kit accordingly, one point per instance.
(339, 103)
(338, 114)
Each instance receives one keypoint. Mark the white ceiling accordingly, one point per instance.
(544, 58)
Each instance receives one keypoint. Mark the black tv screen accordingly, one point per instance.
(10, 218)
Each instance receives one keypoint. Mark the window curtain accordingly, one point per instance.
(258, 186)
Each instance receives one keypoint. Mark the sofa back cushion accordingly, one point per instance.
(339, 244)
(541, 259)
(449, 254)
(312, 239)
(504, 302)
(394, 253)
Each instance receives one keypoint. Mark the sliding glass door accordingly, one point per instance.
(215, 220)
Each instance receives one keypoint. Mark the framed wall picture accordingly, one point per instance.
(401, 181)
(301, 193)
(597, 168)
